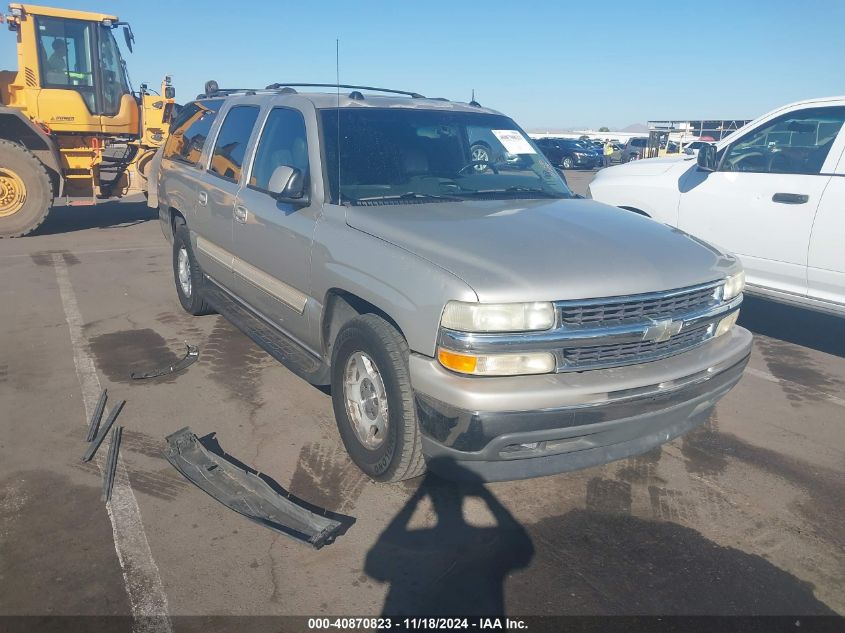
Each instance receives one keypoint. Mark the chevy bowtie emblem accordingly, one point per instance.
(660, 331)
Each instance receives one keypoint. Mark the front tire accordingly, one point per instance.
(187, 272)
(567, 163)
(26, 192)
(373, 401)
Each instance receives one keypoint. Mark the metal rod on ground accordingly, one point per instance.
(94, 445)
(111, 463)
(96, 416)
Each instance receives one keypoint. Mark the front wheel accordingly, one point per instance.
(373, 400)
(567, 162)
(26, 193)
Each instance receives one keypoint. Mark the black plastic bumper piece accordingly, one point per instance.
(246, 493)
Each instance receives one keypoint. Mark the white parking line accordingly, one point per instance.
(140, 572)
(97, 251)
(771, 378)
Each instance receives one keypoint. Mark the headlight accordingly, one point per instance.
(497, 364)
(734, 285)
(727, 323)
(498, 317)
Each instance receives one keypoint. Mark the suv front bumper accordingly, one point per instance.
(528, 426)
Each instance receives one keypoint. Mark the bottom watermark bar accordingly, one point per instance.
(524, 624)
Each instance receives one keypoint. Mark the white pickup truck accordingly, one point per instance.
(773, 193)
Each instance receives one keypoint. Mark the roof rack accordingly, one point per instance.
(414, 95)
(213, 90)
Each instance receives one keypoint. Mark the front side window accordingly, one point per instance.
(793, 143)
(385, 156)
(190, 129)
(282, 143)
(228, 157)
(64, 52)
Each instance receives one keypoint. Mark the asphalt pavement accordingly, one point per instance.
(743, 516)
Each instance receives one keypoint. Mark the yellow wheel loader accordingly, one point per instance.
(71, 126)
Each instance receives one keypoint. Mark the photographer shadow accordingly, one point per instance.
(452, 568)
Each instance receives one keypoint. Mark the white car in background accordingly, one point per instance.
(772, 192)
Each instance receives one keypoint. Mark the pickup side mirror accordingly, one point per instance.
(287, 184)
(707, 158)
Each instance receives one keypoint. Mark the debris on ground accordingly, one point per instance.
(101, 435)
(191, 355)
(96, 416)
(111, 463)
(247, 492)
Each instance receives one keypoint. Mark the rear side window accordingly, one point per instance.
(282, 143)
(228, 157)
(189, 131)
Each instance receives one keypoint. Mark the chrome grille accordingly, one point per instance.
(614, 311)
(640, 351)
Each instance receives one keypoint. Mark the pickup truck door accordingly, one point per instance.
(272, 239)
(826, 260)
(761, 202)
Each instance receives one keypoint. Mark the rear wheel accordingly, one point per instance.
(373, 400)
(26, 193)
(187, 272)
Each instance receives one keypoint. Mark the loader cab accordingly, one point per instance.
(84, 57)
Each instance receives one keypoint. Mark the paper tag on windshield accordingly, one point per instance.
(513, 142)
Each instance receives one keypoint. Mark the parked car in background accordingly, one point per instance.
(691, 148)
(772, 192)
(569, 153)
(616, 156)
(485, 320)
(634, 149)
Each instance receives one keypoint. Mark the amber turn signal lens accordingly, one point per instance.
(457, 362)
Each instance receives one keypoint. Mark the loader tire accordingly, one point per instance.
(26, 192)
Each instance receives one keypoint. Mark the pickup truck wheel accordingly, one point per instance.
(373, 400)
(567, 162)
(187, 273)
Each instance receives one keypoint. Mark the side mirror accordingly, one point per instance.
(287, 184)
(128, 37)
(707, 158)
(169, 92)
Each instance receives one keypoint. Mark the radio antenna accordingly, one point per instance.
(337, 77)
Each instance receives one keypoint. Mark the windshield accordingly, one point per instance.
(410, 155)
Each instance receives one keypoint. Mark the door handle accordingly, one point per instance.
(240, 213)
(202, 198)
(790, 198)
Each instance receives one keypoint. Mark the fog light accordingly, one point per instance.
(497, 364)
(727, 323)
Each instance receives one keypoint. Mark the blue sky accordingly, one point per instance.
(547, 64)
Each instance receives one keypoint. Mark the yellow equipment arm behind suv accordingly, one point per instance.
(70, 124)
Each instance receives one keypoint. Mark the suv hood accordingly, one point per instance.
(545, 250)
(650, 166)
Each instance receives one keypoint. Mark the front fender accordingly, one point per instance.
(409, 289)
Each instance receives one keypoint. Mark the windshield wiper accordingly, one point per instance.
(515, 189)
(411, 195)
